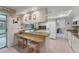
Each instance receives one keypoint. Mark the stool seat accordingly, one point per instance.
(32, 46)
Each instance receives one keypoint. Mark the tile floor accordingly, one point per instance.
(51, 46)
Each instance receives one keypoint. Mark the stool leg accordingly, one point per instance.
(30, 50)
(37, 51)
(34, 50)
(26, 43)
(19, 43)
(23, 44)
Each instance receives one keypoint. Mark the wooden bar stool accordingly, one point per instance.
(33, 47)
(22, 43)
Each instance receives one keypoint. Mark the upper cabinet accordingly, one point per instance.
(39, 15)
(25, 18)
(35, 16)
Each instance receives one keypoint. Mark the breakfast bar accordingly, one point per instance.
(32, 36)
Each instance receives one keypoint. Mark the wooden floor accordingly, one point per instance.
(58, 46)
(8, 50)
(51, 46)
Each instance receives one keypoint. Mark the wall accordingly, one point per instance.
(51, 28)
(12, 28)
(68, 25)
(53, 12)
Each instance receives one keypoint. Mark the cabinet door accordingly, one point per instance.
(25, 18)
(69, 38)
(35, 16)
(40, 15)
(43, 15)
(75, 44)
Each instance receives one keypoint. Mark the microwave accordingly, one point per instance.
(75, 21)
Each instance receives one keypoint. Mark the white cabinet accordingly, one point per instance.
(75, 44)
(25, 18)
(40, 15)
(35, 16)
(70, 39)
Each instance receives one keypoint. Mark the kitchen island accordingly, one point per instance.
(38, 37)
(34, 36)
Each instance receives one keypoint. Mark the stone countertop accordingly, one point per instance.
(73, 30)
(39, 32)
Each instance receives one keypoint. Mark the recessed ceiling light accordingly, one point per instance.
(32, 9)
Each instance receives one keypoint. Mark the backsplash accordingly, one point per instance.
(29, 26)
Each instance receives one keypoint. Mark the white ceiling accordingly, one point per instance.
(24, 9)
(21, 8)
(59, 8)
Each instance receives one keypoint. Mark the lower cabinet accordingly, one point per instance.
(75, 44)
(70, 39)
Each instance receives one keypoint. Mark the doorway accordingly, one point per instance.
(3, 31)
(60, 28)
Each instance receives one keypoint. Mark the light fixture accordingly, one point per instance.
(32, 9)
